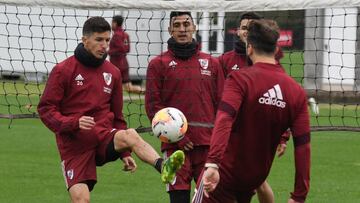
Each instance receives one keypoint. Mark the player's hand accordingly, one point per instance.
(185, 144)
(86, 122)
(129, 164)
(281, 149)
(210, 179)
(293, 201)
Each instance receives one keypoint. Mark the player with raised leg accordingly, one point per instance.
(82, 105)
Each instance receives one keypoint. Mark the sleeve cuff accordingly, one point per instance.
(125, 154)
(211, 165)
(298, 199)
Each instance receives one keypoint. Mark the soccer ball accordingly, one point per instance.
(169, 125)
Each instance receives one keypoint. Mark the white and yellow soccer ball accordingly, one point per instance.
(169, 125)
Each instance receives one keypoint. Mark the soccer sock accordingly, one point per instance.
(179, 196)
(158, 164)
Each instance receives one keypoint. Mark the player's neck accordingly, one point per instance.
(263, 59)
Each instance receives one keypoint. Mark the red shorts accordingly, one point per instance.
(81, 168)
(222, 193)
(194, 164)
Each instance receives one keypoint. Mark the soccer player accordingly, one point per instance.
(237, 59)
(192, 81)
(82, 104)
(258, 104)
(119, 47)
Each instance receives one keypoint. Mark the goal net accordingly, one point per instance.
(319, 39)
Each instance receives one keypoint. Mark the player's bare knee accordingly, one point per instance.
(126, 139)
(132, 137)
(120, 139)
(80, 199)
(79, 196)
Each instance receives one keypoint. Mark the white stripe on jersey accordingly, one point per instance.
(64, 173)
(199, 193)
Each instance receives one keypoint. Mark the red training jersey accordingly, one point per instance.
(193, 86)
(74, 90)
(233, 60)
(118, 48)
(258, 105)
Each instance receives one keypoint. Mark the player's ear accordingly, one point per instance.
(277, 50)
(249, 49)
(84, 39)
(245, 34)
(170, 31)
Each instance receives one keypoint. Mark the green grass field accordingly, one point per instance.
(30, 170)
(293, 62)
(30, 165)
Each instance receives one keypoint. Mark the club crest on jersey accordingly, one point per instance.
(204, 63)
(70, 174)
(107, 78)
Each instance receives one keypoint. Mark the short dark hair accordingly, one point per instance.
(250, 16)
(263, 35)
(95, 24)
(118, 19)
(180, 13)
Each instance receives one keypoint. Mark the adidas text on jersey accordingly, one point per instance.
(273, 97)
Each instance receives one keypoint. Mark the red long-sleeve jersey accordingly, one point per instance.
(74, 90)
(194, 86)
(118, 48)
(233, 60)
(258, 104)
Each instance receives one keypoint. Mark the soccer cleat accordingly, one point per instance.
(171, 165)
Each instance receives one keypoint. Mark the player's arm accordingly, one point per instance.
(232, 98)
(283, 142)
(154, 85)
(126, 43)
(119, 44)
(228, 108)
(301, 135)
(49, 104)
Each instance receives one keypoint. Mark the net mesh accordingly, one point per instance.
(320, 52)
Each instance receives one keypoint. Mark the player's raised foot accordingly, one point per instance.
(171, 165)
